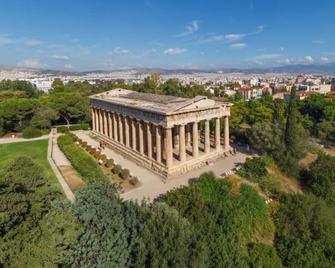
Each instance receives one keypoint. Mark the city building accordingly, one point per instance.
(161, 132)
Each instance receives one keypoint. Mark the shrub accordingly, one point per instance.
(62, 129)
(103, 157)
(85, 126)
(31, 132)
(109, 163)
(124, 173)
(253, 169)
(97, 154)
(134, 181)
(117, 169)
(75, 127)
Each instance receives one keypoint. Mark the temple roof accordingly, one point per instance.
(153, 102)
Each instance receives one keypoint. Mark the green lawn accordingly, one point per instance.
(36, 150)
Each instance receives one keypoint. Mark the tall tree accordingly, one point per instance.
(291, 130)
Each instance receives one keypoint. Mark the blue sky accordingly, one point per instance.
(83, 35)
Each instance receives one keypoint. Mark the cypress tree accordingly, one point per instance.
(291, 136)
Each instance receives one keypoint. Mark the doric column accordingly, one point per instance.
(126, 131)
(115, 126)
(93, 118)
(168, 147)
(100, 122)
(120, 128)
(158, 144)
(175, 131)
(226, 132)
(195, 140)
(149, 140)
(133, 134)
(188, 135)
(207, 140)
(110, 125)
(217, 134)
(182, 149)
(140, 137)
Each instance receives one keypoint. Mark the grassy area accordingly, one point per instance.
(36, 150)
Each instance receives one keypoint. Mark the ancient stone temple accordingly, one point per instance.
(168, 135)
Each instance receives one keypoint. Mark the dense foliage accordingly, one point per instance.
(253, 169)
(34, 230)
(226, 220)
(305, 232)
(110, 229)
(320, 178)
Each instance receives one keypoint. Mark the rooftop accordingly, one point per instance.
(153, 102)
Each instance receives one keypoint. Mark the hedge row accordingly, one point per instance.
(66, 129)
(80, 160)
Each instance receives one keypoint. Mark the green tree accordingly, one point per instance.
(17, 112)
(71, 107)
(43, 117)
(304, 232)
(167, 240)
(57, 86)
(319, 178)
(109, 228)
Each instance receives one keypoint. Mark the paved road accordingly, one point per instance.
(152, 184)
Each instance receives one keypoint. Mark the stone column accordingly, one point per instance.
(109, 119)
(168, 147)
(182, 149)
(100, 122)
(207, 140)
(175, 137)
(126, 131)
(226, 132)
(106, 124)
(188, 135)
(133, 134)
(195, 140)
(158, 144)
(140, 137)
(217, 134)
(115, 127)
(120, 128)
(149, 140)
(93, 118)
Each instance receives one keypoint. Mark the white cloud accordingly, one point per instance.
(120, 51)
(174, 51)
(308, 59)
(68, 66)
(31, 63)
(228, 38)
(32, 42)
(238, 45)
(4, 40)
(281, 49)
(60, 57)
(191, 28)
(324, 59)
(233, 37)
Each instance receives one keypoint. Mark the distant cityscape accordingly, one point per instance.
(249, 85)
